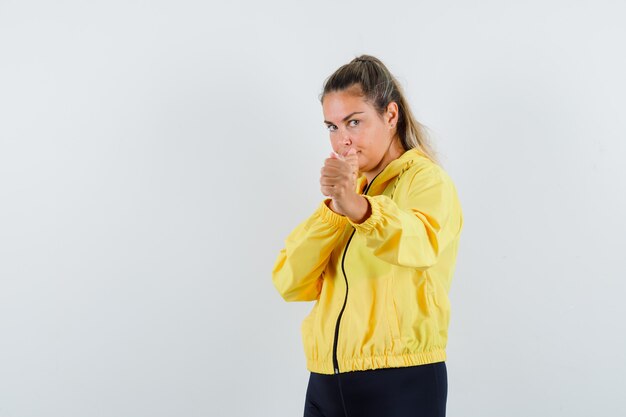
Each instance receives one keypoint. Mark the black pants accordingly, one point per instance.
(413, 391)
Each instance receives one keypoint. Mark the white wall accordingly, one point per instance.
(154, 155)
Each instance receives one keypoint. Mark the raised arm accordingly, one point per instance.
(414, 233)
(297, 273)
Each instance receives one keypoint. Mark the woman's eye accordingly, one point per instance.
(330, 127)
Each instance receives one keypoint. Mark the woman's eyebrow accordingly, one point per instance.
(345, 118)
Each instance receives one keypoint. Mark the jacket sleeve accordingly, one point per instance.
(413, 235)
(297, 273)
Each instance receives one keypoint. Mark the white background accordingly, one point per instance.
(154, 155)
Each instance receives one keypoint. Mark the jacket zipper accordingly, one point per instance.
(345, 300)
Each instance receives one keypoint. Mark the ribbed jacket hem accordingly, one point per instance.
(329, 216)
(376, 362)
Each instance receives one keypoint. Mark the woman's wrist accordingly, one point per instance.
(361, 212)
(329, 204)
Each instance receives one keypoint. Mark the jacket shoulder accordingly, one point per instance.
(425, 171)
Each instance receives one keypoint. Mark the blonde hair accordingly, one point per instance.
(380, 87)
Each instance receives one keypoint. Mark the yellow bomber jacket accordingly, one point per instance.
(380, 287)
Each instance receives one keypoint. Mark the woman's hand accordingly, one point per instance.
(338, 181)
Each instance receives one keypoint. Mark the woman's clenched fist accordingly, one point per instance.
(338, 181)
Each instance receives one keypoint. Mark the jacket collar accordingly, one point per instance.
(393, 170)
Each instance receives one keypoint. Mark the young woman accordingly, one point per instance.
(377, 256)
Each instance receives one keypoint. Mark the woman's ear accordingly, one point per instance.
(392, 114)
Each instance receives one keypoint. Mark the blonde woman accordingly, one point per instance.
(377, 256)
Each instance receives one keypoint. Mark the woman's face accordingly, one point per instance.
(353, 123)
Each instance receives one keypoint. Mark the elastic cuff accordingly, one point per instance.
(329, 216)
(370, 223)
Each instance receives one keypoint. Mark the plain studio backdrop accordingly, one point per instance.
(155, 155)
